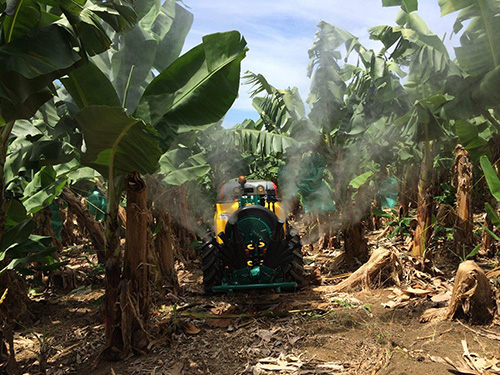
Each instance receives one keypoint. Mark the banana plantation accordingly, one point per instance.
(351, 229)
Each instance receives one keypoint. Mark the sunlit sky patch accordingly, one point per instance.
(280, 32)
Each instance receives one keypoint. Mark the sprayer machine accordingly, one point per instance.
(255, 247)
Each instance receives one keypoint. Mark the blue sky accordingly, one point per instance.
(280, 32)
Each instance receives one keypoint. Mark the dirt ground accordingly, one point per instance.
(311, 331)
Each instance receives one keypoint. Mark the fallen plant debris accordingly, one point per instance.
(291, 364)
(316, 330)
(472, 297)
(471, 363)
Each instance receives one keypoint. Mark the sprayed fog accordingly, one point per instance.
(326, 153)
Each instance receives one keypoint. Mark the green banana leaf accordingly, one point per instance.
(183, 175)
(256, 141)
(26, 155)
(16, 235)
(36, 56)
(43, 189)
(170, 47)
(360, 180)
(407, 5)
(154, 42)
(479, 52)
(41, 43)
(492, 215)
(117, 144)
(491, 177)
(88, 85)
(196, 89)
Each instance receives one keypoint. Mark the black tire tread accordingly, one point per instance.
(210, 265)
(294, 270)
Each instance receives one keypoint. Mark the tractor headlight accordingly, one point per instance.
(260, 189)
(237, 191)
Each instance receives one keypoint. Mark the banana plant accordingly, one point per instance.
(39, 43)
(430, 70)
(253, 148)
(194, 90)
(478, 56)
(354, 108)
(347, 101)
(211, 155)
(41, 160)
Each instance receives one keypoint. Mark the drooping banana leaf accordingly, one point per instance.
(117, 144)
(197, 89)
(43, 189)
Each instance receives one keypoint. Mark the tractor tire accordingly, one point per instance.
(210, 265)
(294, 270)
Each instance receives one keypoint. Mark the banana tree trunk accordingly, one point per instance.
(9, 286)
(94, 228)
(425, 203)
(403, 196)
(463, 181)
(113, 335)
(43, 227)
(134, 286)
(126, 305)
(355, 243)
(408, 186)
(185, 233)
(4, 144)
(487, 244)
(164, 248)
(377, 200)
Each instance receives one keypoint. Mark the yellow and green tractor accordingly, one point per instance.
(255, 247)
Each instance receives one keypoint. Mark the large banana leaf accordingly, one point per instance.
(41, 43)
(491, 177)
(406, 5)
(117, 144)
(360, 180)
(479, 51)
(469, 137)
(196, 89)
(43, 189)
(279, 110)
(44, 53)
(183, 175)
(21, 17)
(154, 42)
(170, 47)
(29, 253)
(25, 155)
(178, 166)
(16, 235)
(328, 87)
(256, 141)
(88, 85)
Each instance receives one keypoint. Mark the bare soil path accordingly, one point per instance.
(312, 331)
